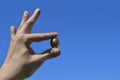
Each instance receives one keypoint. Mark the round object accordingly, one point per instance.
(54, 42)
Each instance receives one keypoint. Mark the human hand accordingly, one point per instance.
(21, 61)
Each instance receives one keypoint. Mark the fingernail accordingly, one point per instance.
(37, 9)
(26, 12)
(12, 27)
(54, 33)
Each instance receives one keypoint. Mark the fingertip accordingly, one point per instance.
(12, 29)
(25, 15)
(37, 9)
(55, 52)
(26, 12)
(55, 34)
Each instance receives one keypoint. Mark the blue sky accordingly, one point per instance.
(89, 34)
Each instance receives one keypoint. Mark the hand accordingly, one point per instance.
(21, 61)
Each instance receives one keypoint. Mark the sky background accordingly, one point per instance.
(89, 34)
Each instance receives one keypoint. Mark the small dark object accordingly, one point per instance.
(54, 42)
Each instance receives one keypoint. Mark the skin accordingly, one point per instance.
(21, 61)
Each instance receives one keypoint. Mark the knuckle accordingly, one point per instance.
(20, 37)
(27, 40)
(30, 22)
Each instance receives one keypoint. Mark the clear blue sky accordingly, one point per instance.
(89, 33)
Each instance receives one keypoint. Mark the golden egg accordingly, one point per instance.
(54, 42)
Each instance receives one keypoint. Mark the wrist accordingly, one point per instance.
(4, 75)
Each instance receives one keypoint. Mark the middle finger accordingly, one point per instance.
(29, 23)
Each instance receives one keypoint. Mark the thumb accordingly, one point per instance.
(48, 54)
(13, 32)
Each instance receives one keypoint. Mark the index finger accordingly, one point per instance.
(41, 36)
